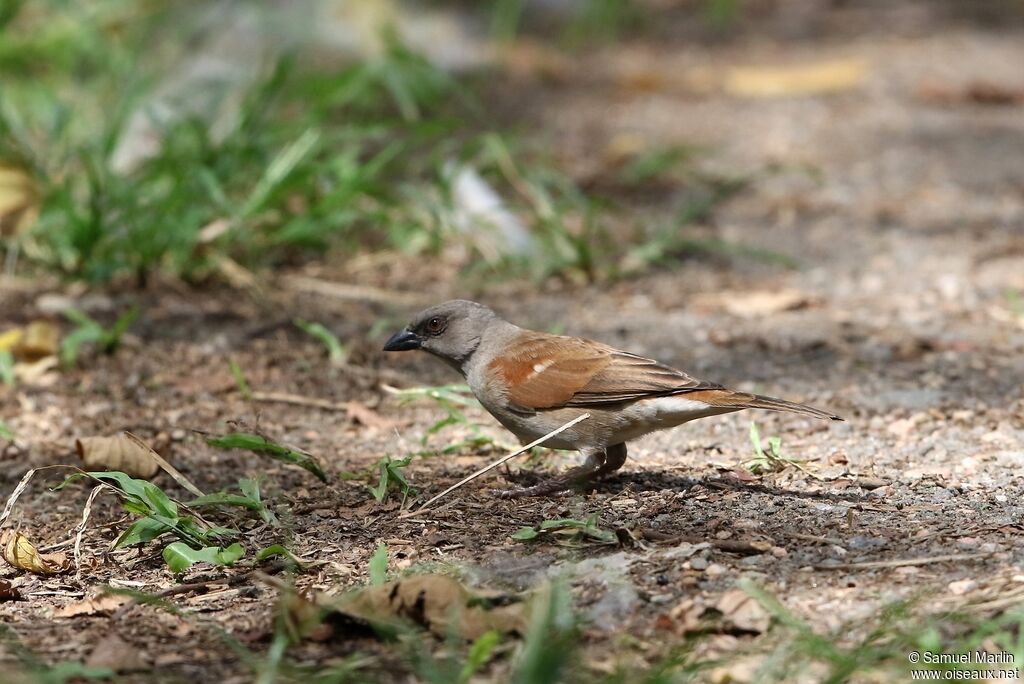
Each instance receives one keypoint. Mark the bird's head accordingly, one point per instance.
(451, 330)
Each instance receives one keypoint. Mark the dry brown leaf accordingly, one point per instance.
(37, 372)
(685, 617)
(35, 341)
(804, 79)
(19, 202)
(19, 552)
(303, 616)
(975, 92)
(116, 453)
(99, 605)
(9, 592)
(742, 613)
(436, 602)
(115, 653)
(41, 339)
(754, 303)
(364, 415)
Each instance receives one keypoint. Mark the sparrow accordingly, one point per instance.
(535, 382)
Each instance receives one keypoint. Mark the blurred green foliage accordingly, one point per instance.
(358, 155)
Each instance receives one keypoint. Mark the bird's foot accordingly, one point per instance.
(555, 487)
(560, 485)
(597, 465)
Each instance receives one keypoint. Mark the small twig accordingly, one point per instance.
(902, 562)
(229, 581)
(80, 530)
(1014, 599)
(168, 468)
(743, 547)
(495, 464)
(15, 494)
(830, 541)
(54, 547)
(299, 400)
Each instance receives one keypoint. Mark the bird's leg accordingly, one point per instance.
(614, 457)
(597, 465)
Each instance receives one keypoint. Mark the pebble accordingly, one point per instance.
(961, 587)
(715, 570)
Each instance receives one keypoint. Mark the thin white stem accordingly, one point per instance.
(497, 463)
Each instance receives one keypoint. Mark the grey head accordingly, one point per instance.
(451, 330)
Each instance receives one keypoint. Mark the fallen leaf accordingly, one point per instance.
(37, 372)
(116, 453)
(806, 79)
(40, 339)
(975, 92)
(742, 613)
(685, 616)
(364, 415)
(9, 592)
(19, 202)
(30, 343)
(19, 552)
(838, 458)
(754, 303)
(103, 604)
(303, 616)
(435, 602)
(115, 653)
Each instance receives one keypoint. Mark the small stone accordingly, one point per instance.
(902, 428)
(961, 587)
(715, 570)
(698, 563)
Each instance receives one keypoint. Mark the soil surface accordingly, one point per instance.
(901, 201)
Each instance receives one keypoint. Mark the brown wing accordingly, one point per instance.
(628, 377)
(551, 371)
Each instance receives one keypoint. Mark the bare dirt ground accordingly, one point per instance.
(903, 205)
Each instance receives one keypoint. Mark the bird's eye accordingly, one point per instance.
(435, 325)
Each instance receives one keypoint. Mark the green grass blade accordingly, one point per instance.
(262, 445)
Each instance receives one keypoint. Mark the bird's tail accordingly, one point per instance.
(741, 400)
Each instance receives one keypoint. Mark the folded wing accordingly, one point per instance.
(551, 371)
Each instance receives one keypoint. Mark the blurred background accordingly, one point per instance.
(582, 140)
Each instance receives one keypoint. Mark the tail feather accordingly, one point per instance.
(741, 400)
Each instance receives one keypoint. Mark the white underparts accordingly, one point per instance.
(674, 410)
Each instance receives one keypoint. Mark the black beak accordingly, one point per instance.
(403, 340)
